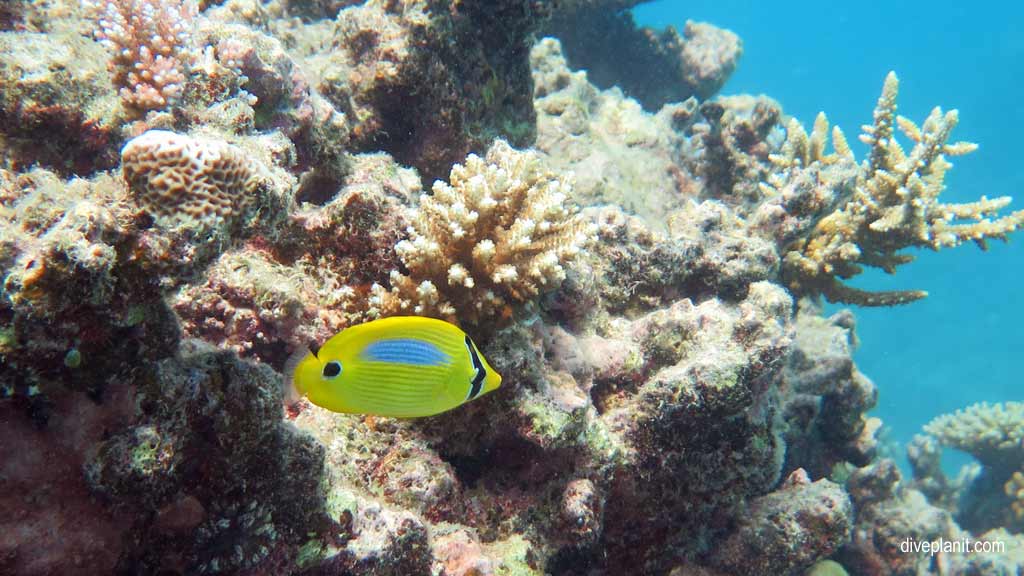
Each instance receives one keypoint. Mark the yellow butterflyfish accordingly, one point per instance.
(403, 366)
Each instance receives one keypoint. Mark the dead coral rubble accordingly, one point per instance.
(893, 205)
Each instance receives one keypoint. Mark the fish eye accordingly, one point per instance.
(332, 369)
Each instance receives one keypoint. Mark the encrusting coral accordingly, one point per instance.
(893, 204)
(496, 235)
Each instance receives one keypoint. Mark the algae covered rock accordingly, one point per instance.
(209, 423)
(786, 531)
(56, 105)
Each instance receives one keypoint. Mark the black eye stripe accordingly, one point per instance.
(478, 379)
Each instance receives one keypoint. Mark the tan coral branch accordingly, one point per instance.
(894, 204)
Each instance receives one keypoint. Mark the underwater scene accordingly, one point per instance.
(510, 288)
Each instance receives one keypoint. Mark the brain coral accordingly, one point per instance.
(187, 180)
(498, 233)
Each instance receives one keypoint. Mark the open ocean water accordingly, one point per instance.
(964, 343)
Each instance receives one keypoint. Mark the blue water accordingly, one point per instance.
(964, 343)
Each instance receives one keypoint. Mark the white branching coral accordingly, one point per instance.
(190, 180)
(150, 45)
(889, 203)
(499, 233)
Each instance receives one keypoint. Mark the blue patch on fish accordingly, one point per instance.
(405, 351)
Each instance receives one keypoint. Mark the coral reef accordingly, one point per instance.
(711, 372)
(207, 402)
(1015, 490)
(207, 191)
(893, 203)
(925, 456)
(889, 513)
(266, 299)
(732, 146)
(992, 433)
(246, 80)
(79, 273)
(496, 235)
(668, 406)
(892, 515)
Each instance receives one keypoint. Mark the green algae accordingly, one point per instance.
(514, 557)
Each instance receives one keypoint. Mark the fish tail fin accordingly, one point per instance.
(291, 393)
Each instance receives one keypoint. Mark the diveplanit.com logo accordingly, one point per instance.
(965, 545)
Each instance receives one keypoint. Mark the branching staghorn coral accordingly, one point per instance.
(497, 234)
(149, 41)
(893, 205)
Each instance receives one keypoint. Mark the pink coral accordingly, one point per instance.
(150, 44)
